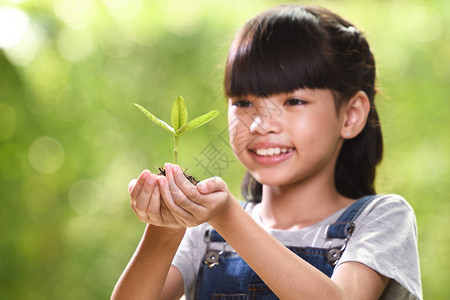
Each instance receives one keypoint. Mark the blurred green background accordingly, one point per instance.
(70, 138)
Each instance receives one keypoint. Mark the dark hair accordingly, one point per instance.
(290, 47)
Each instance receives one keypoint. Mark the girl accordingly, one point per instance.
(302, 120)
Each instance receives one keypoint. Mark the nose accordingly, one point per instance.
(263, 125)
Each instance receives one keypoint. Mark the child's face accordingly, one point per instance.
(286, 138)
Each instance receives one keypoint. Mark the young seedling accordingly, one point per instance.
(180, 125)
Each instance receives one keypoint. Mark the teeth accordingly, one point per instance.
(271, 151)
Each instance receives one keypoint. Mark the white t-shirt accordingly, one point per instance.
(384, 239)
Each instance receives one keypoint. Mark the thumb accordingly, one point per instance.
(210, 185)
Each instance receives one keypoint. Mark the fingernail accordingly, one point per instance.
(177, 169)
(150, 179)
(161, 180)
(131, 184)
(167, 167)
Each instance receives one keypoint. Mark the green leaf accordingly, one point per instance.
(179, 113)
(199, 121)
(156, 120)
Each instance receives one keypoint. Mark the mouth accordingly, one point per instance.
(271, 151)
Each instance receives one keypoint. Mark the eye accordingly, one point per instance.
(242, 103)
(295, 101)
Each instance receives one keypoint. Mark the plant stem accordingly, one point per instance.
(175, 149)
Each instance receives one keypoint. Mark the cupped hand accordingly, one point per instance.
(189, 204)
(146, 202)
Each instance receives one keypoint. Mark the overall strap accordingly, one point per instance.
(344, 226)
(211, 235)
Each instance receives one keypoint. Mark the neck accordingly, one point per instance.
(300, 205)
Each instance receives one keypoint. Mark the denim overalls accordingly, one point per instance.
(225, 275)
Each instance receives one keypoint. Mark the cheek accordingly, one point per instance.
(299, 128)
(238, 131)
(308, 130)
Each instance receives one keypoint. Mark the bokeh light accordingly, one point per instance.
(86, 197)
(46, 155)
(14, 24)
(75, 45)
(76, 14)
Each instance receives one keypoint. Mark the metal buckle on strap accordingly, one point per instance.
(211, 256)
(335, 254)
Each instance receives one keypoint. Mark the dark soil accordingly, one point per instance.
(188, 177)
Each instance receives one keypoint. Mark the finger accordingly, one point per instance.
(179, 214)
(140, 183)
(167, 218)
(176, 210)
(211, 185)
(183, 192)
(136, 189)
(143, 199)
(163, 216)
(131, 185)
(201, 206)
(154, 207)
(187, 189)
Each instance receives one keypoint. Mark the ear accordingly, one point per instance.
(355, 113)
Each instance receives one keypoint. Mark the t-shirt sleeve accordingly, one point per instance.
(188, 257)
(385, 239)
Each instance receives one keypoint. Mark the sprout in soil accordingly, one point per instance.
(180, 125)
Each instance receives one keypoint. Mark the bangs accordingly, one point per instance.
(278, 53)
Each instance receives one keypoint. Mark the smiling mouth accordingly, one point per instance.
(271, 151)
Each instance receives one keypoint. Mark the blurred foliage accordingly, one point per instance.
(70, 138)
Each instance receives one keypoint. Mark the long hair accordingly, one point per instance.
(290, 47)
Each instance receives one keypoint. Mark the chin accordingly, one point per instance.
(270, 179)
